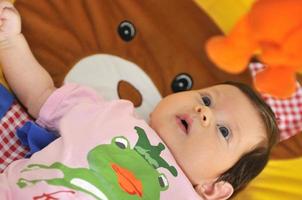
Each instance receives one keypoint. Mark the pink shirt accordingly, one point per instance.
(104, 152)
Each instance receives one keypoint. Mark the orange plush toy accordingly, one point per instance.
(272, 31)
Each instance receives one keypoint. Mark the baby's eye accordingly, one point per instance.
(206, 101)
(225, 132)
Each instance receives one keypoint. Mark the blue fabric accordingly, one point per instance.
(35, 137)
(30, 134)
(6, 100)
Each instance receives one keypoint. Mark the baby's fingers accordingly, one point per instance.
(6, 8)
(10, 23)
(5, 4)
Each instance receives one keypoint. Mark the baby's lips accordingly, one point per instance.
(279, 81)
(226, 56)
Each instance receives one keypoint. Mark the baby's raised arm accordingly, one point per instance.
(28, 79)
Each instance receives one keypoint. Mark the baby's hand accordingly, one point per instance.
(10, 22)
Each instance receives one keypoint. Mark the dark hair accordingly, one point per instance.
(253, 162)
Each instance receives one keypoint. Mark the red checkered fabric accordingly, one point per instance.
(288, 111)
(10, 146)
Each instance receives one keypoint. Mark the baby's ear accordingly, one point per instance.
(215, 190)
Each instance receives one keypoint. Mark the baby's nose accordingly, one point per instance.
(205, 114)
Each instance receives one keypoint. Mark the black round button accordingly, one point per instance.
(182, 82)
(126, 31)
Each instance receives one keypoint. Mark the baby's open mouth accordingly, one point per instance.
(184, 123)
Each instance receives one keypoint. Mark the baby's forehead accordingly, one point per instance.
(234, 100)
(225, 90)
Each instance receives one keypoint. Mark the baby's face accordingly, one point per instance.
(208, 130)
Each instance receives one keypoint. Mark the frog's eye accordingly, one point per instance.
(121, 142)
(163, 182)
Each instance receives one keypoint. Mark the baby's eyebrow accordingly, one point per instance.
(236, 131)
(215, 93)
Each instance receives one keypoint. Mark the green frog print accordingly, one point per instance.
(116, 171)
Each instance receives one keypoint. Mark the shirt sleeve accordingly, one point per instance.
(62, 100)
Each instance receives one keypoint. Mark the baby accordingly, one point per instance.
(201, 144)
